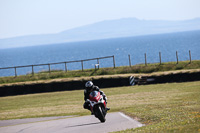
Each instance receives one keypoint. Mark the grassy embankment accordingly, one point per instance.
(103, 71)
(173, 107)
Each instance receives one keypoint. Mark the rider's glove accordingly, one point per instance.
(105, 98)
(102, 93)
(87, 100)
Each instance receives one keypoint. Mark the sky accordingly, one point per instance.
(29, 17)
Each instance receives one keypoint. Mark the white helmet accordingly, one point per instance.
(88, 84)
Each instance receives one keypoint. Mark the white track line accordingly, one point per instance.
(132, 120)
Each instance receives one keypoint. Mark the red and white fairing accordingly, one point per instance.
(96, 98)
(98, 105)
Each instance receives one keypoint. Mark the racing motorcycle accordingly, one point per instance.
(98, 105)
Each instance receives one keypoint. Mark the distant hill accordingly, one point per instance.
(105, 29)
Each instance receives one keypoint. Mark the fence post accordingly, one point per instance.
(32, 70)
(15, 72)
(65, 66)
(177, 56)
(160, 57)
(113, 61)
(49, 68)
(145, 56)
(98, 62)
(82, 64)
(129, 60)
(190, 56)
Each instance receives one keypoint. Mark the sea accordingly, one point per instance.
(121, 48)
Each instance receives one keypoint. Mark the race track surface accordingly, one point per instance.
(84, 124)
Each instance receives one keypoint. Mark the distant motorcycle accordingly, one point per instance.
(98, 105)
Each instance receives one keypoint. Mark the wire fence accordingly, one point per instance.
(160, 58)
(96, 66)
(64, 63)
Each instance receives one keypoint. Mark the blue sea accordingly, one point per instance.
(136, 47)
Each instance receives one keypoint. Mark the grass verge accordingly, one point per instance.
(173, 107)
(103, 71)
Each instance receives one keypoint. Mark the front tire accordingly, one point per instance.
(100, 116)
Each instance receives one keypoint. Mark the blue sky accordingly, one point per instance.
(28, 17)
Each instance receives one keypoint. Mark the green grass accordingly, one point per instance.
(173, 107)
(103, 71)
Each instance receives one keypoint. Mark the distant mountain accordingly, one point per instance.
(106, 29)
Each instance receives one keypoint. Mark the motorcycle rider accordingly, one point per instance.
(89, 87)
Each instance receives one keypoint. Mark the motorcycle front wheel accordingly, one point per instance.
(100, 114)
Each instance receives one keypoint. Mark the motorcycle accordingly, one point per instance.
(98, 105)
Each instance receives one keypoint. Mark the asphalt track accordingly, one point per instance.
(85, 124)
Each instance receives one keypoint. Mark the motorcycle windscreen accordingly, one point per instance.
(93, 93)
(95, 96)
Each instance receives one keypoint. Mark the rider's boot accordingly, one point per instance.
(106, 103)
(107, 109)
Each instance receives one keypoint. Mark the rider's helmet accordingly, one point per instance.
(89, 86)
